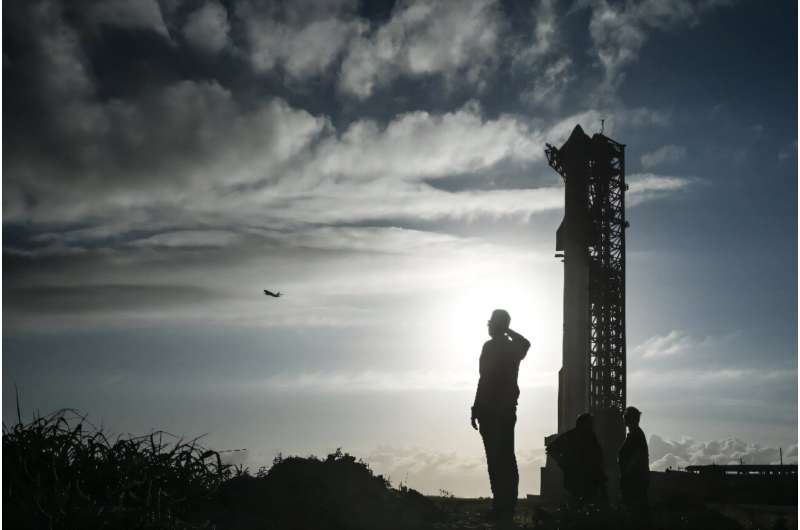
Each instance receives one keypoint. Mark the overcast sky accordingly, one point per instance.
(383, 166)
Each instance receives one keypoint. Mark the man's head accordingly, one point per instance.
(585, 423)
(499, 322)
(631, 416)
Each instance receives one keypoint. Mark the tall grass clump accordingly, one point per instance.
(59, 471)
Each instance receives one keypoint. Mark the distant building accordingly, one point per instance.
(727, 484)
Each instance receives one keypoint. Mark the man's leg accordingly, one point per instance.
(508, 474)
(489, 434)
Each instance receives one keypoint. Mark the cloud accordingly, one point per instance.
(341, 276)
(707, 377)
(169, 178)
(189, 239)
(188, 156)
(549, 86)
(687, 451)
(435, 472)
(545, 32)
(648, 186)
(665, 154)
(371, 381)
(130, 14)
(421, 145)
(207, 28)
(220, 144)
(544, 60)
(619, 30)
(455, 39)
(71, 299)
(304, 38)
(673, 343)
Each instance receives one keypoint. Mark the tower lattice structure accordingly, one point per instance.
(604, 229)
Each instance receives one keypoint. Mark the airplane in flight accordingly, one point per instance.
(270, 293)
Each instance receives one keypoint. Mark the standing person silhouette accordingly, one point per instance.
(580, 457)
(495, 410)
(634, 464)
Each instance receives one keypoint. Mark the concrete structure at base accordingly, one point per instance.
(591, 241)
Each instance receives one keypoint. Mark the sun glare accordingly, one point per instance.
(470, 307)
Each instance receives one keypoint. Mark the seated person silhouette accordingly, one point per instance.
(580, 457)
(634, 463)
(495, 410)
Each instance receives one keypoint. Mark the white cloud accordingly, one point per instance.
(665, 154)
(545, 32)
(548, 87)
(459, 474)
(647, 186)
(189, 238)
(296, 170)
(271, 165)
(544, 60)
(687, 451)
(452, 38)
(304, 51)
(207, 28)
(620, 30)
(384, 381)
(369, 381)
(705, 378)
(421, 145)
(674, 342)
(303, 173)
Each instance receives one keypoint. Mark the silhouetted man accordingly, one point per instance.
(495, 409)
(634, 463)
(580, 458)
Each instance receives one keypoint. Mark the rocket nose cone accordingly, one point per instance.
(577, 139)
(576, 133)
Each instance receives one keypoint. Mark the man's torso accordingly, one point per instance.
(499, 364)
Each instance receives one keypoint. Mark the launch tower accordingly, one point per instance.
(591, 241)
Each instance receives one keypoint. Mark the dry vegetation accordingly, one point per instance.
(60, 472)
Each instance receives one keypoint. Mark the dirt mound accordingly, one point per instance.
(338, 492)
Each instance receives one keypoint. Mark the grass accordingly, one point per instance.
(62, 472)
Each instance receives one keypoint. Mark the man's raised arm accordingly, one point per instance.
(519, 340)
